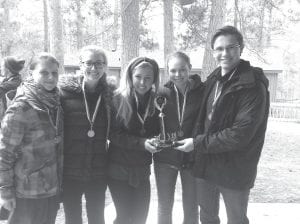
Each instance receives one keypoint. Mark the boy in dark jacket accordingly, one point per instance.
(230, 131)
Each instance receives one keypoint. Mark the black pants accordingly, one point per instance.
(34, 211)
(94, 192)
(131, 203)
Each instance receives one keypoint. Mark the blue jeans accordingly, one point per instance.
(131, 203)
(94, 192)
(236, 203)
(166, 177)
(34, 211)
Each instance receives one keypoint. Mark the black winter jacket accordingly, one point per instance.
(228, 153)
(171, 156)
(127, 142)
(85, 158)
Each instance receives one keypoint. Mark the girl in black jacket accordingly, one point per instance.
(183, 93)
(130, 150)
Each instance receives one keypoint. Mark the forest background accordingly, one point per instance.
(128, 28)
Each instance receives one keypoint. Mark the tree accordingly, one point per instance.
(56, 31)
(46, 28)
(130, 31)
(216, 21)
(168, 32)
(79, 25)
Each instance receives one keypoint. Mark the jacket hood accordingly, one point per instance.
(194, 82)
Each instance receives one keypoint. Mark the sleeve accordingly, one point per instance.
(10, 138)
(9, 85)
(251, 113)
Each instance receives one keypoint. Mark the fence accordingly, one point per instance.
(285, 111)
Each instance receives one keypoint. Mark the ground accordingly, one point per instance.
(278, 178)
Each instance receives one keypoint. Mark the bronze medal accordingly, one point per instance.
(180, 133)
(91, 133)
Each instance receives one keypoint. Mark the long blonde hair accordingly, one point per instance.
(125, 90)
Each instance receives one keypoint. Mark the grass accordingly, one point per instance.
(278, 178)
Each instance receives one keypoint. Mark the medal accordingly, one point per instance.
(91, 132)
(57, 138)
(180, 133)
(181, 112)
(142, 119)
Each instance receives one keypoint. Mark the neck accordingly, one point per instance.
(90, 85)
(182, 87)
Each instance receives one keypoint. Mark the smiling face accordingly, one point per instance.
(179, 71)
(45, 73)
(227, 52)
(93, 65)
(142, 79)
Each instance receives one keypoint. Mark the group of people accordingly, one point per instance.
(69, 136)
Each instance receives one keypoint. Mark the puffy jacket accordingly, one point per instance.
(227, 153)
(30, 158)
(85, 158)
(194, 98)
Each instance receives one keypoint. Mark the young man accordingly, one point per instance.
(230, 131)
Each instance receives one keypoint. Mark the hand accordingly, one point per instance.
(185, 145)
(149, 146)
(9, 204)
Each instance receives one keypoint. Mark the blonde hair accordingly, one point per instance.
(93, 49)
(125, 90)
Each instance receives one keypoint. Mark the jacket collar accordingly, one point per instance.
(243, 76)
(194, 82)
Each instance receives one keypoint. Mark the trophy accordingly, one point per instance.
(164, 140)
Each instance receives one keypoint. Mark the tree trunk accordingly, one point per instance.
(216, 21)
(236, 8)
(56, 32)
(168, 34)
(79, 33)
(46, 28)
(7, 38)
(130, 31)
(115, 32)
(260, 43)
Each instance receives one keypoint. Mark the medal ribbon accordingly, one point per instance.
(55, 126)
(142, 119)
(181, 112)
(91, 121)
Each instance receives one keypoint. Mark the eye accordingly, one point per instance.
(44, 73)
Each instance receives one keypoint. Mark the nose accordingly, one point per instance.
(142, 81)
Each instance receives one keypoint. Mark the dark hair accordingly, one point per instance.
(181, 55)
(44, 56)
(228, 30)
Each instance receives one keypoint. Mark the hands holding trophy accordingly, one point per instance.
(164, 140)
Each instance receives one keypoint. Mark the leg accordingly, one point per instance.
(208, 199)
(34, 211)
(189, 197)
(72, 196)
(165, 177)
(236, 203)
(121, 194)
(141, 200)
(95, 200)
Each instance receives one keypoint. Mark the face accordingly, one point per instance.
(227, 52)
(45, 73)
(178, 71)
(93, 66)
(142, 79)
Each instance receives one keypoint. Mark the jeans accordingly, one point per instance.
(236, 203)
(131, 203)
(34, 211)
(166, 177)
(94, 192)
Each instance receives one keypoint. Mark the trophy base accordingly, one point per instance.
(163, 144)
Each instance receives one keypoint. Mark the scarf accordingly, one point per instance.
(38, 97)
